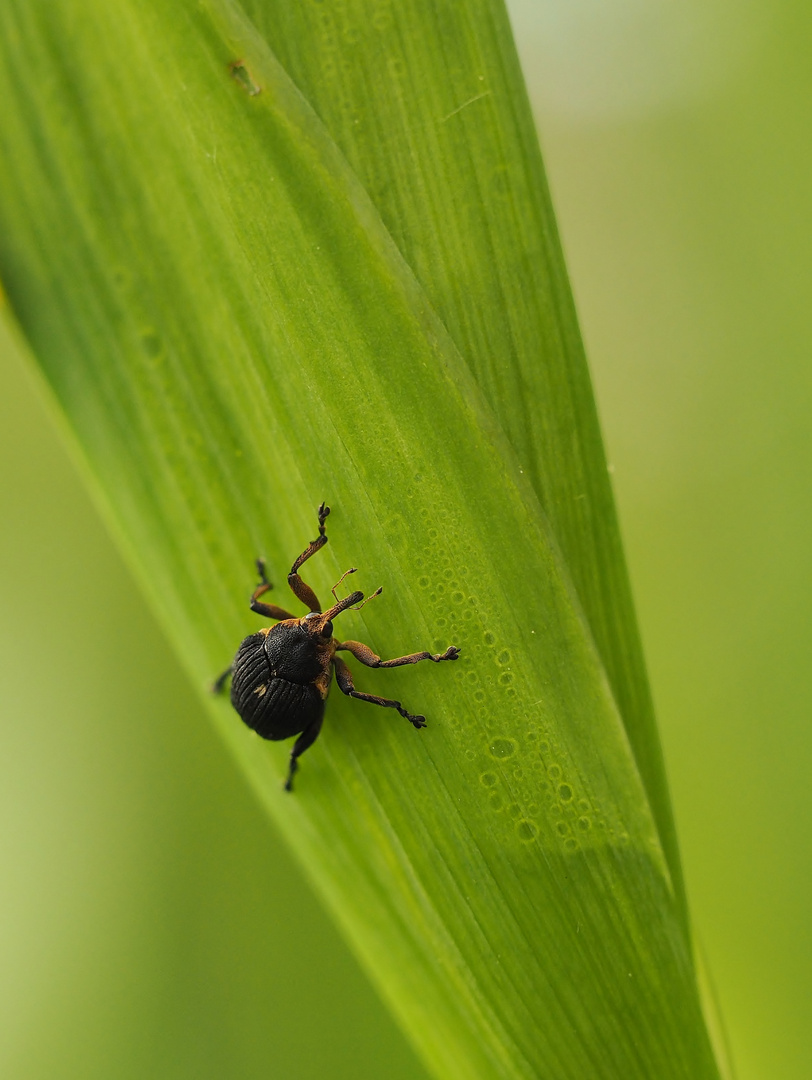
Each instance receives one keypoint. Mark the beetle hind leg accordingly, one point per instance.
(346, 685)
(306, 739)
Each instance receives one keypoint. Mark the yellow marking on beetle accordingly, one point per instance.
(262, 690)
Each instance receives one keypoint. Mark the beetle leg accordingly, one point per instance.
(307, 738)
(346, 685)
(270, 611)
(300, 589)
(367, 656)
(220, 681)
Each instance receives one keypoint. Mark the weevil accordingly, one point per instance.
(281, 676)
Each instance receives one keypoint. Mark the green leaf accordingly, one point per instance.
(234, 336)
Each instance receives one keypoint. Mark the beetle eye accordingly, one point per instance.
(327, 630)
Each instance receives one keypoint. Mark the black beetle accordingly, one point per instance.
(281, 676)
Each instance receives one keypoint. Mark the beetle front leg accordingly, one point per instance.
(306, 739)
(346, 686)
(270, 611)
(363, 653)
(300, 589)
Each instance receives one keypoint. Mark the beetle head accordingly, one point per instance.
(319, 624)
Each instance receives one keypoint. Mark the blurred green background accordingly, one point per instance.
(150, 922)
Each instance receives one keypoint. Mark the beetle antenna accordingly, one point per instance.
(352, 570)
(371, 596)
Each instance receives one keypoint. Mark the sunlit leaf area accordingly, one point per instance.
(255, 256)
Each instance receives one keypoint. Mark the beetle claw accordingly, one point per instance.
(324, 511)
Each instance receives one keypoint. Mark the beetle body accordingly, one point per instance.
(281, 675)
(275, 685)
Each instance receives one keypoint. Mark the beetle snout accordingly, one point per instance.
(342, 605)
